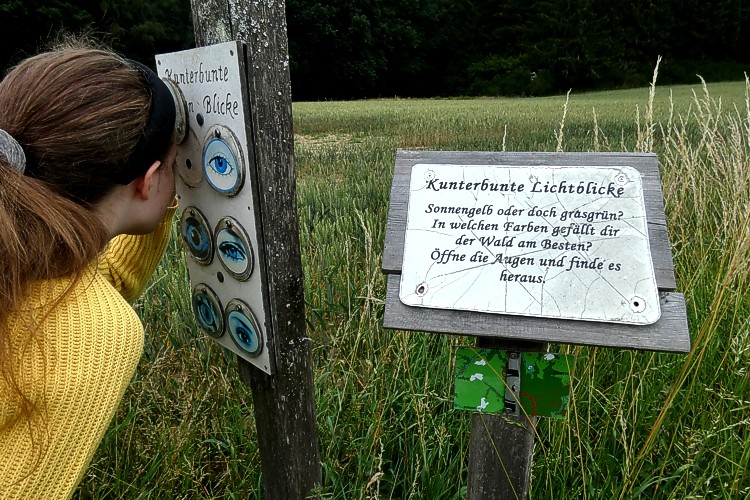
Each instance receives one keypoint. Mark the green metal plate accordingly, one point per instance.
(480, 379)
(480, 383)
(545, 383)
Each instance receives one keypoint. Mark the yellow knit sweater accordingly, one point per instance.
(76, 368)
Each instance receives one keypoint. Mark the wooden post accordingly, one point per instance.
(284, 402)
(501, 446)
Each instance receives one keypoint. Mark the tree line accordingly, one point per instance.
(347, 49)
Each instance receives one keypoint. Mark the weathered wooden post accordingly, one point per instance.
(237, 193)
(501, 446)
(519, 250)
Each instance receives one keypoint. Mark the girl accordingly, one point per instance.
(86, 188)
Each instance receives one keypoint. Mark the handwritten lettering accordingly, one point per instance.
(467, 211)
(214, 104)
(582, 188)
(484, 185)
(188, 76)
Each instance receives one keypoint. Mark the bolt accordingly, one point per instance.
(513, 355)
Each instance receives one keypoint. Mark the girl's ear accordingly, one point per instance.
(143, 183)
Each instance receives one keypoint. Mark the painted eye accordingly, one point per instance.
(243, 332)
(232, 251)
(207, 311)
(244, 329)
(196, 235)
(233, 248)
(221, 165)
(206, 314)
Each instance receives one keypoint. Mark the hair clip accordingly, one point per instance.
(12, 152)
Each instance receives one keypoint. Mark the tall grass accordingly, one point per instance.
(640, 424)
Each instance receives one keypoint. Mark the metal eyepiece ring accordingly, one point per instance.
(181, 110)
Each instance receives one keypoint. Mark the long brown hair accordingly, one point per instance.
(78, 113)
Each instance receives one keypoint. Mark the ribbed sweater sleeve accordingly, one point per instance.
(129, 261)
(74, 368)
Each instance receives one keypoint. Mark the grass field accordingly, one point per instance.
(641, 425)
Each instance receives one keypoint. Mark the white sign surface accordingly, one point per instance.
(557, 242)
(218, 216)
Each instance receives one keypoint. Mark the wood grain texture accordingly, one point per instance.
(669, 333)
(501, 446)
(646, 164)
(284, 402)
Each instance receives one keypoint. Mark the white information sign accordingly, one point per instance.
(557, 242)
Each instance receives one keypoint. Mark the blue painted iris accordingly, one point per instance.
(234, 250)
(244, 332)
(196, 238)
(206, 314)
(220, 166)
(231, 246)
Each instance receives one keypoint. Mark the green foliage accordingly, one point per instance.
(508, 48)
(349, 49)
(136, 28)
(142, 28)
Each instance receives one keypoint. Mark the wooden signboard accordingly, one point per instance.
(520, 249)
(552, 247)
(219, 210)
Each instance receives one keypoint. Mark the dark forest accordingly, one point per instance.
(353, 49)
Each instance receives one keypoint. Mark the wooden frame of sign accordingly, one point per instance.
(669, 333)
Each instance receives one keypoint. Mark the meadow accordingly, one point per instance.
(640, 424)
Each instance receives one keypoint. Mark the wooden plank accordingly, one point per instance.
(284, 402)
(646, 164)
(501, 446)
(670, 333)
